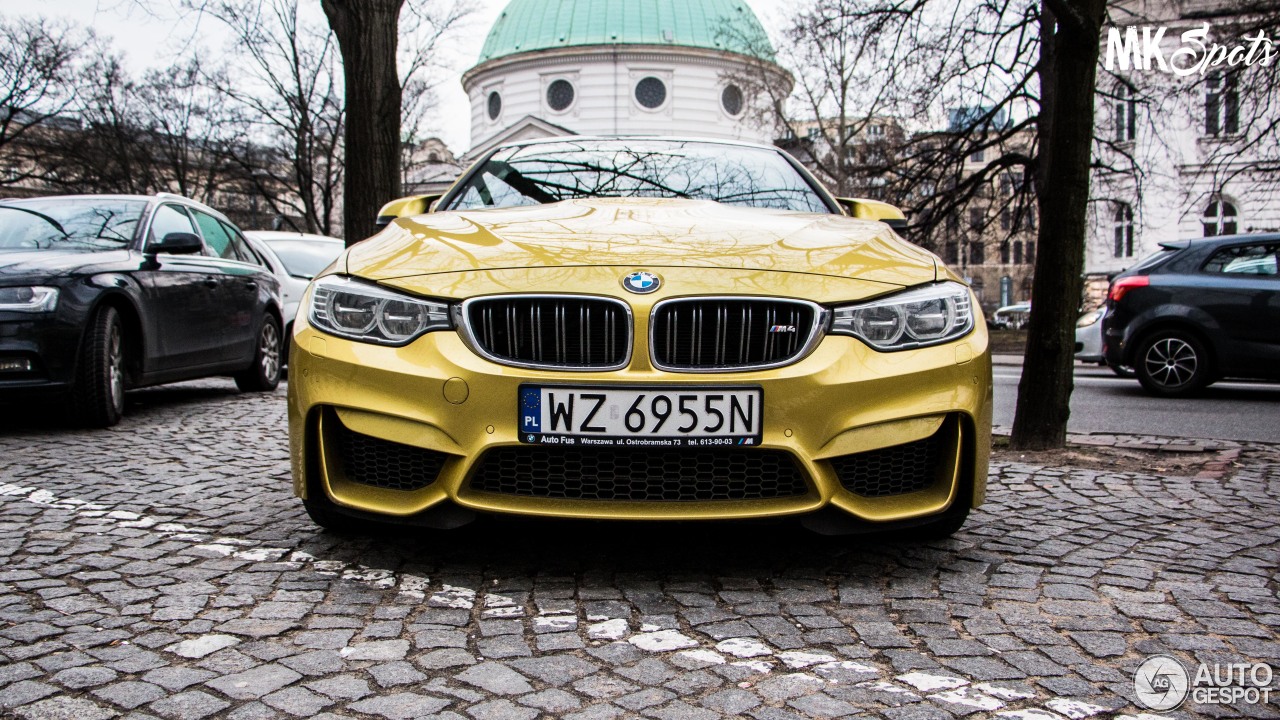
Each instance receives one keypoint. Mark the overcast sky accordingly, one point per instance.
(150, 40)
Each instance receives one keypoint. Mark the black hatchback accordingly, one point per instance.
(99, 293)
(1196, 312)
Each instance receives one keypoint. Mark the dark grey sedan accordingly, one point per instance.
(1196, 312)
(100, 293)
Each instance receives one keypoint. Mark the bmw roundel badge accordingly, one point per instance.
(641, 282)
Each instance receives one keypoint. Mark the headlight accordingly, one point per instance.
(368, 313)
(914, 318)
(1089, 318)
(28, 299)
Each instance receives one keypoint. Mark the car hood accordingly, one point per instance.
(55, 263)
(641, 233)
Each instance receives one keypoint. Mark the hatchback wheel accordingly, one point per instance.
(97, 398)
(264, 374)
(1172, 364)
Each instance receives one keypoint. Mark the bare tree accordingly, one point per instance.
(38, 60)
(367, 32)
(377, 72)
(292, 100)
(998, 76)
(191, 134)
(109, 151)
(1070, 32)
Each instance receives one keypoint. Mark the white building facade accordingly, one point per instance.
(1186, 156)
(619, 67)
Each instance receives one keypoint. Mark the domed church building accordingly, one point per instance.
(620, 67)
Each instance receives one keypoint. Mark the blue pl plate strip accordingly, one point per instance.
(530, 409)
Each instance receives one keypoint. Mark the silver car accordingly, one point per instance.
(295, 258)
(1089, 341)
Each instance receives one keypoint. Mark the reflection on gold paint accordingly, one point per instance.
(607, 280)
(649, 233)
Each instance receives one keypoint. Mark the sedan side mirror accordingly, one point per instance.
(406, 207)
(875, 210)
(177, 243)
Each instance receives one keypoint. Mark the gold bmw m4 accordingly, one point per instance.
(640, 329)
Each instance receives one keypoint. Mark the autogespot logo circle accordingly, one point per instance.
(1161, 683)
(641, 282)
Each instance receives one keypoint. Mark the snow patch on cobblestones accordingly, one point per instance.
(663, 641)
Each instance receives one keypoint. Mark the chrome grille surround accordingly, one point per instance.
(805, 341)
(481, 339)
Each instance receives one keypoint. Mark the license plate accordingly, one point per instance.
(641, 416)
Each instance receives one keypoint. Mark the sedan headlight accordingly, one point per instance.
(369, 313)
(922, 316)
(1089, 318)
(28, 299)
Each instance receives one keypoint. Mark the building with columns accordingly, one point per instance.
(1179, 156)
(620, 67)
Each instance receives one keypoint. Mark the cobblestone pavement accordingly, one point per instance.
(161, 569)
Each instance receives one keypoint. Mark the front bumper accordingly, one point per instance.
(37, 354)
(827, 412)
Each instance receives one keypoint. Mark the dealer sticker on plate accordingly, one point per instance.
(641, 416)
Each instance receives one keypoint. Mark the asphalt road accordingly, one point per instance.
(1104, 403)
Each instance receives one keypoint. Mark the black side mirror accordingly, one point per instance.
(177, 243)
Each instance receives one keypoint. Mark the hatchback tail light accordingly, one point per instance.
(1125, 284)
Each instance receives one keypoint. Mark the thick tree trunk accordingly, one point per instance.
(367, 35)
(1070, 35)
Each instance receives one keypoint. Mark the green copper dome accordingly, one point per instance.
(529, 25)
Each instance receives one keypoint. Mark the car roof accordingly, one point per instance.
(1220, 240)
(158, 197)
(277, 235)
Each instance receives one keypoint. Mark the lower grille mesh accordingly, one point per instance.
(639, 475)
(385, 464)
(896, 470)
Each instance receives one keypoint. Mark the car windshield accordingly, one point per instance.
(550, 172)
(69, 223)
(305, 258)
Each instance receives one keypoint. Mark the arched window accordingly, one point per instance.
(1220, 218)
(1126, 113)
(1123, 228)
